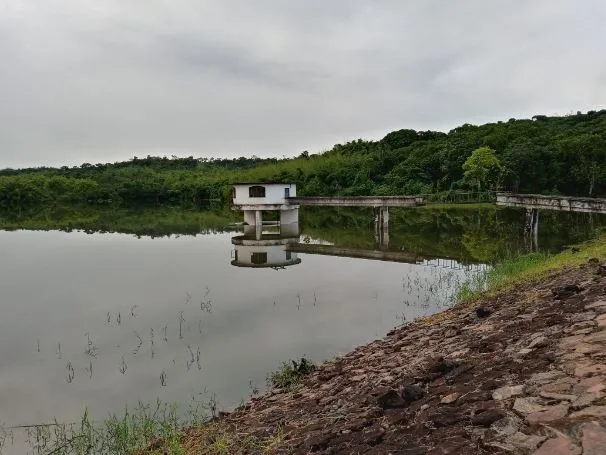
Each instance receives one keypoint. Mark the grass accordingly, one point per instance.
(290, 373)
(156, 427)
(215, 438)
(529, 267)
(160, 429)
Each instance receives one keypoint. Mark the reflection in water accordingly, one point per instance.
(259, 250)
(104, 320)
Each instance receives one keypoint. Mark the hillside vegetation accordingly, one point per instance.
(549, 155)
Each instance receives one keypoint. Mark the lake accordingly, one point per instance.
(101, 309)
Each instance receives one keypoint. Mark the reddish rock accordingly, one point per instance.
(548, 415)
(558, 446)
(594, 439)
(589, 369)
(591, 411)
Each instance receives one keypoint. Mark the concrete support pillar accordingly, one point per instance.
(289, 230)
(382, 227)
(531, 229)
(258, 217)
(289, 216)
(249, 217)
(385, 217)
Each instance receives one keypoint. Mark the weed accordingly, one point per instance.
(509, 273)
(290, 373)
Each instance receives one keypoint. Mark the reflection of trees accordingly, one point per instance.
(156, 222)
(470, 234)
(484, 234)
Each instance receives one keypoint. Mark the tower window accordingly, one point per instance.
(256, 191)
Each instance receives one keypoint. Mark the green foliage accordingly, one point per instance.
(526, 267)
(290, 373)
(156, 426)
(562, 155)
(482, 169)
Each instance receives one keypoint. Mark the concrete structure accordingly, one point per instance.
(265, 250)
(359, 201)
(533, 202)
(565, 203)
(254, 198)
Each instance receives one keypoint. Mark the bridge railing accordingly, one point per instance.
(460, 197)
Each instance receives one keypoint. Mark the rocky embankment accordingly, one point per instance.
(521, 372)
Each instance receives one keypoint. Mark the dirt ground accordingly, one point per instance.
(521, 372)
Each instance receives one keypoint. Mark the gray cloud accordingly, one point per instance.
(82, 80)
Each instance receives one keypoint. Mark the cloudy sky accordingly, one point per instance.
(105, 80)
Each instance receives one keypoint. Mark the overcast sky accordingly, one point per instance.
(105, 80)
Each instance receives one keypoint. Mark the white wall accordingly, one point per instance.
(274, 194)
(276, 254)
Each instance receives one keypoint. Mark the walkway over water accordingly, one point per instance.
(564, 203)
(358, 201)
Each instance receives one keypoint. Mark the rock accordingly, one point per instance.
(487, 418)
(597, 304)
(391, 400)
(412, 393)
(599, 337)
(450, 398)
(596, 388)
(564, 292)
(582, 317)
(563, 386)
(601, 320)
(538, 342)
(523, 441)
(527, 405)
(483, 312)
(547, 376)
(584, 370)
(558, 446)
(594, 439)
(523, 352)
(591, 411)
(505, 426)
(586, 399)
(586, 348)
(558, 396)
(503, 393)
(373, 435)
(549, 414)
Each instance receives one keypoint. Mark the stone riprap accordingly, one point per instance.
(522, 372)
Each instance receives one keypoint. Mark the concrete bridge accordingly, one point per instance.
(563, 203)
(358, 201)
(533, 202)
(255, 197)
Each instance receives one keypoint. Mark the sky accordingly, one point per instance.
(103, 81)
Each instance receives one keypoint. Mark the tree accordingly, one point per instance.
(482, 168)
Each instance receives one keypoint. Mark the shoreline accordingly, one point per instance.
(518, 369)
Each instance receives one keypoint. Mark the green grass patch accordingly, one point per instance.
(528, 267)
(290, 373)
(150, 429)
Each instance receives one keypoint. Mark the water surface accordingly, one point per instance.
(103, 309)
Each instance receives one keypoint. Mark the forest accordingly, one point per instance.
(563, 155)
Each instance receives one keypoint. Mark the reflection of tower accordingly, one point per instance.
(265, 250)
(531, 229)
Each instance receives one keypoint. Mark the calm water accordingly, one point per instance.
(102, 309)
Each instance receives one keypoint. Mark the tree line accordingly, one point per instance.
(545, 154)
